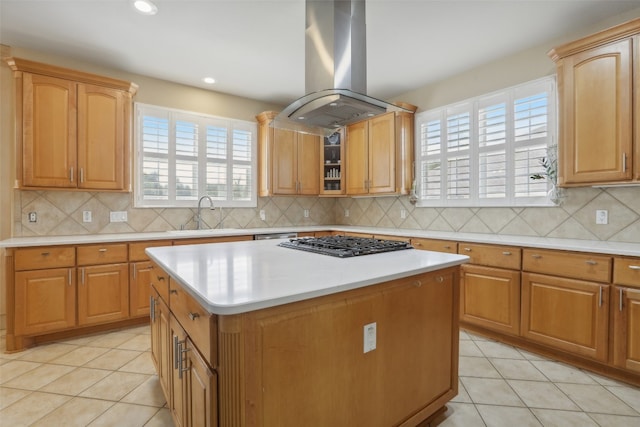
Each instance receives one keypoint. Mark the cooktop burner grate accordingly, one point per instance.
(345, 246)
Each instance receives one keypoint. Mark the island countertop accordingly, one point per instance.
(238, 277)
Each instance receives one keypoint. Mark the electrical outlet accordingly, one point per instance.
(403, 213)
(370, 337)
(306, 213)
(602, 217)
(86, 216)
(33, 217)
(346, 212)
(118, 216)
(263, 215)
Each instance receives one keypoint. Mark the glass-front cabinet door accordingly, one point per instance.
(332, 164)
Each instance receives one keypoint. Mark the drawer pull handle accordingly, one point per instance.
(152, 309)
(439, 279)
(193, 316)
(536, 256)
(173, 291)
(620, 300)
(600, 298)
(417, 244)
(161, 278)
(45, 253)
(467, 249)
(447, 247)
(591, 262)
(102, 250)
(506, 253)
(634, 267)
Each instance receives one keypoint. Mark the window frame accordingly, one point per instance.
(473, 106)
(202, 121)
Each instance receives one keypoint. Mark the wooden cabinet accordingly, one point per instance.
(436, 245)
(176, 398)
(379, 155)
(140, 276)
(201, 400)
(625, 307)
(72, 128)
(289, 161)
(597, 91)
(567, 314)
(103, 284)
(490, 287)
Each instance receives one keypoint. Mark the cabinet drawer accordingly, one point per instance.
(567, 264)
(447, 246)
(492, 255)
(626, 271)
(160, 281)
(44, 257)
(102, 254)
(200, 325)
(136, 250)
(395, 238)
(204, 240)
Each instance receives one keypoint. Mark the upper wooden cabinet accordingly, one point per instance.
(289, 161)
(73, 128)
(379, 155)
(598, 99)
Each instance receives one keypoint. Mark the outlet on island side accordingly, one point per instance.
(370, 331)
(33, 217)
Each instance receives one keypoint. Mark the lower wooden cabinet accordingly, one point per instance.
(177, 394)
(103, 293)
(625, 305)
(490, 297)
(567, 314)
(45, 300)
(201, 389)
(139, 280)
(160, 340)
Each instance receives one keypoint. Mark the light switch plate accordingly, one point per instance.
(602, 217)
(370, 332)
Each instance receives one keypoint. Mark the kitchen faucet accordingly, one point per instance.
(198, 215)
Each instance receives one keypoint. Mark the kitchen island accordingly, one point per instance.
(253, 334)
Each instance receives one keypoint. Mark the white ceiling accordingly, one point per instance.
(255, 48)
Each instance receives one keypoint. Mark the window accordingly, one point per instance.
(181, 156)
(483, 151)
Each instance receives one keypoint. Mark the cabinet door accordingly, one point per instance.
(308, 164)
(596, 115)
(490, 297)
(139, 286)
(356, 149)
(102, 139)
(382, 154)
(202, 398)
(626, 328)
(285, 162)
(178, 338)
(161, 341)
(103, 293)
(45, 300)
(49, 132)
(571, 315)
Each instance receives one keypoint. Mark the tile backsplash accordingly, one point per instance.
(60, 213)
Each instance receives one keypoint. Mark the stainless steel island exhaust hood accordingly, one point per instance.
(335, 71)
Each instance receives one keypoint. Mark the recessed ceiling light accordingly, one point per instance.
(209, 80)
(145, 7)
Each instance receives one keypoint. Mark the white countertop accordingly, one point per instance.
(231, 278)
(611, 248)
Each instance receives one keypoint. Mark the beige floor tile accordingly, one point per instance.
(39, 377)
(605, 420)
(112, 339)
(498, 350)
(15, 368)
(138, 342)
(84, 340)
(115, 386)
(463, 396)
(460, 415)
(31, 408)
(476, 367)
(596, 398)
(506, 416)
(15, 355)
(629, 395)
(469, 348)
(545, 395)
(140, 365)
(476, 337)
(48, 352)
(113, 359)
(80, 356)
(603, 380)
(517, 369)
(531, 356)
(464, 336)
(555, 418)
(559, 372)
(162, 418)
(76, 381)
(142, 329)
(125, 415)
(77, 412)
(491, 391)
(148, 393)
(9, 396)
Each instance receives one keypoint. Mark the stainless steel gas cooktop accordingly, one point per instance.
(344, 246)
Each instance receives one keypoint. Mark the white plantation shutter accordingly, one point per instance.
(482, 152)
(182, 156)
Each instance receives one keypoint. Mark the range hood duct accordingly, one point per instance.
(335, 71)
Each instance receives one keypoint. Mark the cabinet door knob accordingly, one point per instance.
(467, 249)
(193, 316)
(536, 256)
(439, 279)
(506, 253)
(45, 253)
(102, 250)
(173, 291)
(591, 262)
